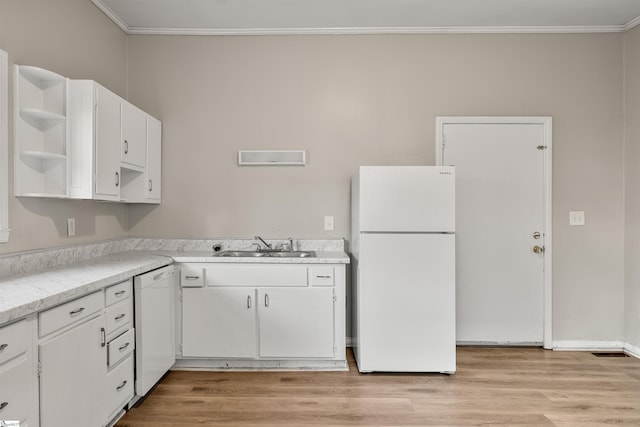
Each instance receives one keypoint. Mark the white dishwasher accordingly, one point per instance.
(154, 324)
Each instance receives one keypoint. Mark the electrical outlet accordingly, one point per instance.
(328, 223)
(576, 218)
(71, 227)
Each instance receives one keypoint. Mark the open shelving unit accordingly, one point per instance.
(40, 132)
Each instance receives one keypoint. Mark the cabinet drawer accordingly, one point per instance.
(119, 315)
(66, 314)
(119, 292)
(118, 387)
(121, 347)
(14, 340)
(321, 275)
(257, 275)
(15, 397)
(191, 276)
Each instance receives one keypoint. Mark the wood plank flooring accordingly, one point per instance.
(493, 386)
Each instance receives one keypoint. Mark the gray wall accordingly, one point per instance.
(352, 100)
(75, 39)
(632, 187)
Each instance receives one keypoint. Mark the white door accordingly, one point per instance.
(296, 322)
(134, 135)
(219, 322)
(107, 143)
(154, 158)
(74, 369)
(501, 204)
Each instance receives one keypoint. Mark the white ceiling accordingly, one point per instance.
(369, 16)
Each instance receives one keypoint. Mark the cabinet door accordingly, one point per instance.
(154, 158)
(219, 322)
(107, 140)
(74, 369)
(296, 322)
(134, 135)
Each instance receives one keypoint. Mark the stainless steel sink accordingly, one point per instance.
(292, 254)
(242, 253)
(278, 254)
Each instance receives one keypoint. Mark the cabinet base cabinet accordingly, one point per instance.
(118, 390)
(219, 322)
(296, 322)
(74, 366)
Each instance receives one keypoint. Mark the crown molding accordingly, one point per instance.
(112, 15)
(375, 30)
(632, 24)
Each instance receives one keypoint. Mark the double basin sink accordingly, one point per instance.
(268, 253)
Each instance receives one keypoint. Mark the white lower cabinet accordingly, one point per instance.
(18, 385)
(219, 322)
(73, 370)
(296, 322)
(262, 312)
(86, 359)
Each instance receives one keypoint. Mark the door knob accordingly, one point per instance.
(538, 249)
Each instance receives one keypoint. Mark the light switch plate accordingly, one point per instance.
(71, 227)
(328, 223)
(576, 218)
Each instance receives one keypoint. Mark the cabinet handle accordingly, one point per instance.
(117, 179)
(266, 300)
(121, 386)
(3, 405)
(150, 185)
(126, 147)
(158, 277)
(119, 317)
(103, 333)
(76, 312)
(3, 346)
(192, 277)
(122, 347)
(248, 301)
(323, 277)
(120, 293)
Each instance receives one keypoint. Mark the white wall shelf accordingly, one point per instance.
(40, 133)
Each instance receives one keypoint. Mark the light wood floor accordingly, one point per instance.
(493, 386)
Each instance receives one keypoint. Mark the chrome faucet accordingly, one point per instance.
(265, 243)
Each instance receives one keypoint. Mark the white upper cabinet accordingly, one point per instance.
(40, 132)
(109, 158)
(134, 136)
(154, 159)
(145, 187)
(76, 139)
(94, 130)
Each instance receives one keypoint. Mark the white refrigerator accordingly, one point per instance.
(403, 287)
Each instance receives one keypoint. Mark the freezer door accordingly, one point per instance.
(405, 298)
(407, 198)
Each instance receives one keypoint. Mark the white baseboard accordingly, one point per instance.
(632, 350)
(588, 345)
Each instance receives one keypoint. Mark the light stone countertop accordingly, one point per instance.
(25, 294)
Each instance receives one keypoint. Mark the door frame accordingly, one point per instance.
(546, 122)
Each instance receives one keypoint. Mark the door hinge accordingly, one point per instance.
(39, 368)
(541, 147)
(335, 350)
(335, 298)
(181, 349)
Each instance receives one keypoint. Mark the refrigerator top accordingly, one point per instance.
(405, 199)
